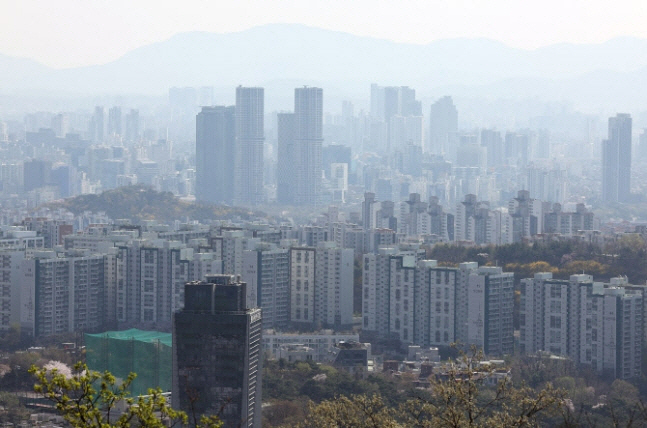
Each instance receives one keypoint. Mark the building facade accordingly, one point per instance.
(595, 324)
(616, 160)
(217, 353)
(249, 146)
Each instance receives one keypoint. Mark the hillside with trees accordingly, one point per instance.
(625, 256)
(138, 203)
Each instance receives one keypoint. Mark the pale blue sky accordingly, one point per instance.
(66, 33)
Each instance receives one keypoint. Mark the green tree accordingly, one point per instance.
(459, 398)
(88, 399)
(356, 411)
(11, 410)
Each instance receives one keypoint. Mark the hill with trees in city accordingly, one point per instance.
(137, 203)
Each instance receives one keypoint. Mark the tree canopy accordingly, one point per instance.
(89, 399)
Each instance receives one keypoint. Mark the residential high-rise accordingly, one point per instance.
(308, 138)
(61, 293)
(396, 111)
(616, 160)
(595, 324)
(216, 353)
(267, 275)
(215, 139)
(302, 286)
(114, 122)
(334, 286)
(248, 186)
(285, 173)
(418, 302)
(132, 125)
(443, 126)
(96, 125)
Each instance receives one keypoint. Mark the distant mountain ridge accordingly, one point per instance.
(280, 52)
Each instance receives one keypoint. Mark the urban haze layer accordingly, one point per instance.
(346, 210)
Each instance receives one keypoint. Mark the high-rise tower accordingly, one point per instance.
(215, 139)
(114, 122)
(285, 173)
(616, 160)
(443, 125)
(96, 125)
(216, 353)
(249, 146)
(308, 137)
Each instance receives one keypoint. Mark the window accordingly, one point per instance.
(555, 322)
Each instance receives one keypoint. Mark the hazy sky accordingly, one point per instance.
(65, 33)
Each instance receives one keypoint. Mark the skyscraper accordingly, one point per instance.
(616, 160)
(285, 174)
(308, 137)
(132, 125)
(215, 157)
(216, 353)
(114, 122)
(399, 113)
(249, 146)
(443, 125)
(96, 125)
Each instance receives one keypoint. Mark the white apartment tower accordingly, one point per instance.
(248, 182)
(595, 324)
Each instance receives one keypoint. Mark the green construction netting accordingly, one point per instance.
(147, 353)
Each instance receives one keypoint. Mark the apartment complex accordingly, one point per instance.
(593, 323)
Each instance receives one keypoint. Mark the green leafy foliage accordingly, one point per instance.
(458, 399)
(626, 256)
(11, 410)
(88, 399)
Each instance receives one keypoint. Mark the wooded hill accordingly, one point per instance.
(139, 203)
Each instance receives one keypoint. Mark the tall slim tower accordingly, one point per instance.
(249, 146)
(308, 135)
(114, 122)
(215, 138)
(216, 353)
(96, 126)
(443, 125)
(285, 172)
(616, 160)
(132, 125)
